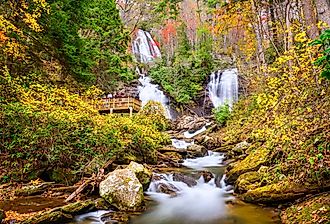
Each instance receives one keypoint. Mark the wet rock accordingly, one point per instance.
(143, 174)
(78, 207)
(252, 162)
(185, 179)
(173, 156)
(49, 217)
(207, 176)
(122, 189)
(67, 212)
(247, 181)
(283, 191)
(196, 151)
(167, 189)
(210, 142)
(192, 123)
(115, 217)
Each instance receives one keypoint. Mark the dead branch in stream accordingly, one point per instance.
(94, 181)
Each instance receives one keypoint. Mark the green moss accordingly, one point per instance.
(283, 191)
(252, 162)
(247, 181)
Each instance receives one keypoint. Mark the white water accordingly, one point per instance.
(91, 217)
(189, 134)
(149, 91)
(213, 159)
(145, 48)
(181, 144)
(201, 203)
(223, 87)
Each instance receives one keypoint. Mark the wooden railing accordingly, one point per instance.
(120, 104)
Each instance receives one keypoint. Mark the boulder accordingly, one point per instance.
(192, 123)
(207, 176)
(210, 142)
(241, 147)
(283, 191)
(143, 174)
(122, 189)
(252, 162)
(247, 181)
(67, 212)
(196, 151)
(167, 189)
(185, 179)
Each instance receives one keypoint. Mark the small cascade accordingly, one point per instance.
(202, 203)
(223, 87)
(181, 144)
(189, 134)
(145, 48)
(213, 159)
(149, 91)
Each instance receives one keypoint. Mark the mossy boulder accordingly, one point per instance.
(247, 181)
(196, 151)
(283, 191)
(252, 162)
(49, 217)
(122, 189)
(175, 156)
(143, 174)
(67, 212)
(312, 210)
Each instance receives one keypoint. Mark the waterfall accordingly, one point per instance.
(223, 87)
(149, 91)
(145, 48)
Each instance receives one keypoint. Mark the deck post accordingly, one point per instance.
(111, 110)
(130, 111)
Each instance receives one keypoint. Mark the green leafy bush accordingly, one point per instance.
(47, 129)
(324, 60)
(221, 114)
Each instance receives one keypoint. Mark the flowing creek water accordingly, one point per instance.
(210, 201)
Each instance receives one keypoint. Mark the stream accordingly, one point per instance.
(210, 201)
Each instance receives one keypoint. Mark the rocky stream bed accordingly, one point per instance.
(194, 182)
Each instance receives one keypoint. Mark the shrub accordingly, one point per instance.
(221, 114)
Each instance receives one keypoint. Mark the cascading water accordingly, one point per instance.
(181, 144)
(145, 48)
(149, 91)
(223, 87)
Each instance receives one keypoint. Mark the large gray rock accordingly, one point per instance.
(123, 190)
(185, 179)
(196, 151)
(143, 174)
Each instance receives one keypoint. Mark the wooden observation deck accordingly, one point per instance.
(120, 105)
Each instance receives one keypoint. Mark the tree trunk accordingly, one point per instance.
(310, 19)
(323, 10)
(258, 31)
